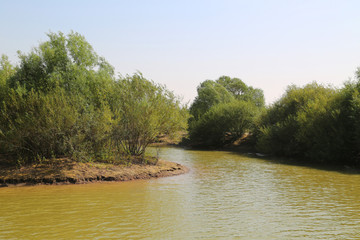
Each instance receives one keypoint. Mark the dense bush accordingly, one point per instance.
(37, 125)
(241, 91)
(314, 123)
(287, 128)
(63, 100)
(142, 111)
(224, 123)
(348, 123)
(210, 93)
(223, 110)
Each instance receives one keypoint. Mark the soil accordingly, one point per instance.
(66, 171)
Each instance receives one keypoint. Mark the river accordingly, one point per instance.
(224, 196)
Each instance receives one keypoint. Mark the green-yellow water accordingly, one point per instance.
(225, 196)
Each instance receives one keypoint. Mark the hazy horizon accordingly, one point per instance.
(269, 45)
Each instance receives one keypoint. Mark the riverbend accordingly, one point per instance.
(224, 196)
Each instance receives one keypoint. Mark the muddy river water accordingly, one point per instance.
(224, 196)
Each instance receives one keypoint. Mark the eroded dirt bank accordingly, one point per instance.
(65, 171)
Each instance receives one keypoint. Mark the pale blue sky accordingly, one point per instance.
(268, 44)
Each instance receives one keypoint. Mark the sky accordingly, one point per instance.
(268, 44)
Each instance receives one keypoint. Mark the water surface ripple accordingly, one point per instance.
(225, 196)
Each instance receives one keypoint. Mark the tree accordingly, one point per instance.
(302, 124)
(241, 91)
(142, 111)
(56, 101)
(210, 93)
(224, 123)
(63, 61)
(233, 85)
(254, 95)
(37, 125)
(209, 125)
(348, 124)
(6, 72)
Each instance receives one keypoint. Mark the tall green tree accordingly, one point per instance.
(142, 111)
(210, 93)
(241, 91)
(348, 124)
(6, 72)
(57, 101)
(216, 105)
(37, 125)
(302, 124)
(66, 61)
(224, 123)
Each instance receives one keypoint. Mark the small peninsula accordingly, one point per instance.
(66, 117)
(66, 171)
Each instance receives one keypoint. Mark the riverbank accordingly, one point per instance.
(65, 171)
(246, 148)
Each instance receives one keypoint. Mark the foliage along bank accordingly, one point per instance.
(223, 111)
(314, 123)
(63, 100)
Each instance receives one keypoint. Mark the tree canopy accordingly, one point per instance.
(63, 100)
(220, 110)
(210, 93)
(224, 123)
(144, 110)
(313, 123)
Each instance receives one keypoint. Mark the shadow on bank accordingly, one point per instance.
(247, 149)
(344, 169)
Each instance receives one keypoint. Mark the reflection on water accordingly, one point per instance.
(225, 196)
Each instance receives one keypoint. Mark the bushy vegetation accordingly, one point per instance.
(314, 123)
(144, 110)
(289, 126)
(224, 123)
(223, 111)
(63, 100)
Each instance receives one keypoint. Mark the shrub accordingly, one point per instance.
(142, 111)
(304, 123)
(37, 125)
(224, 123)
